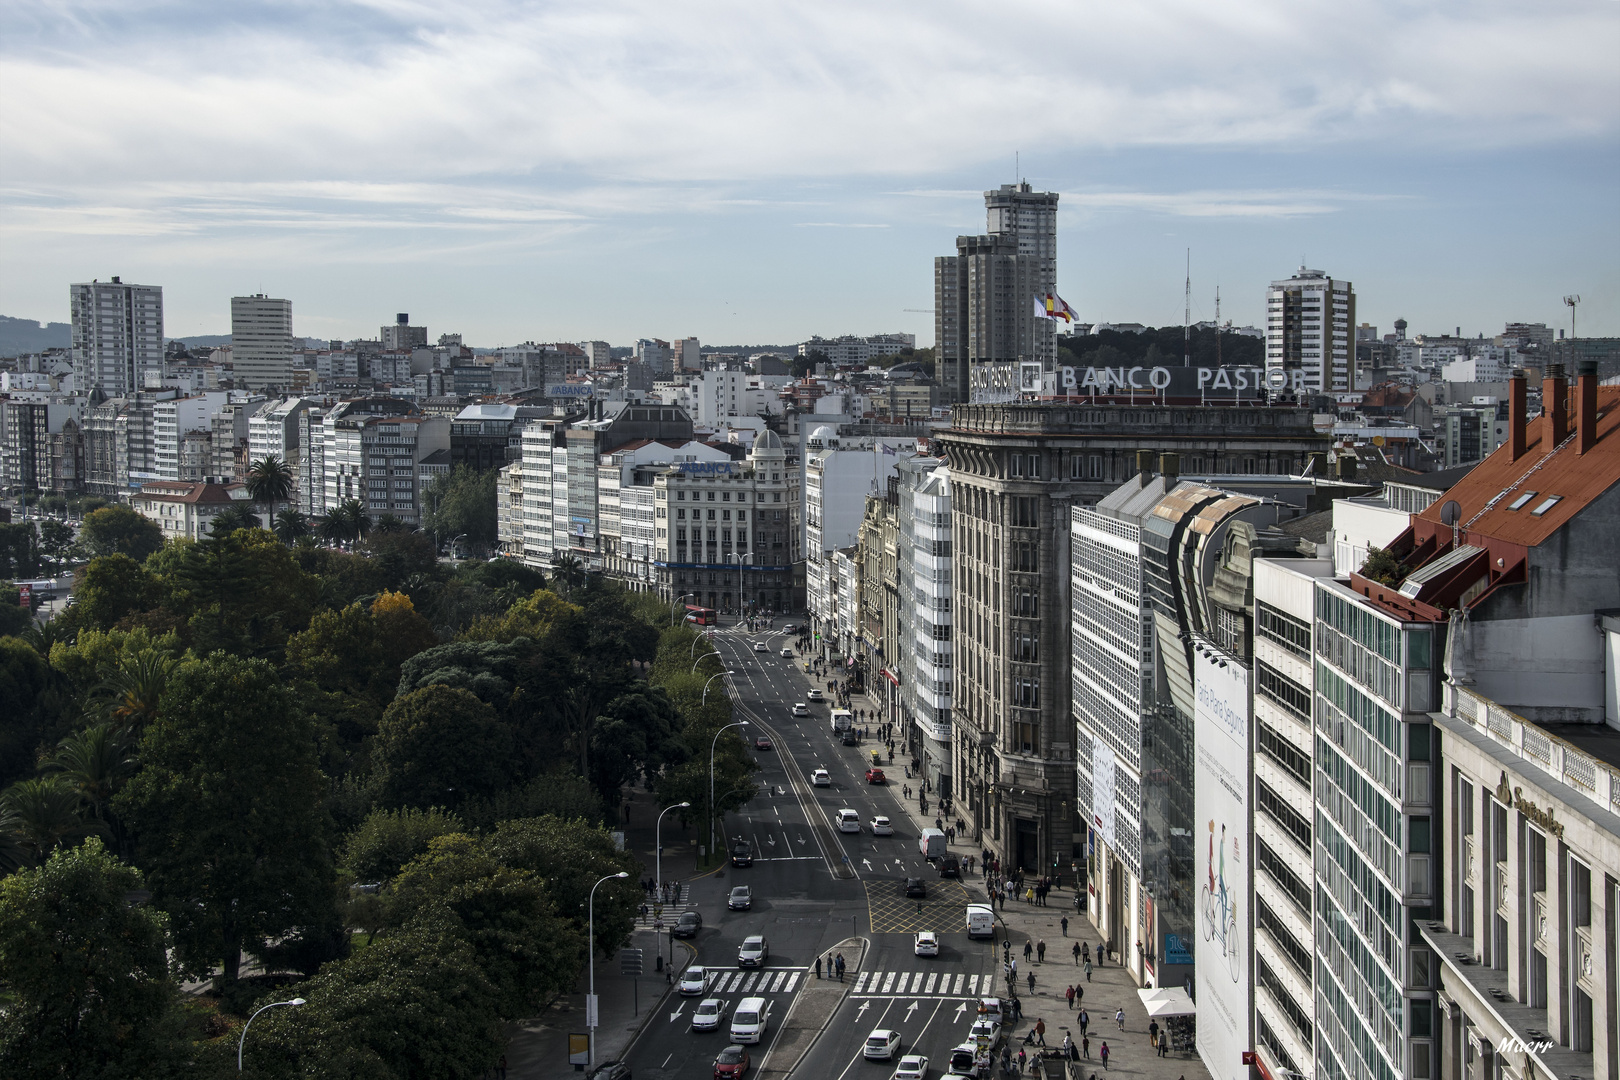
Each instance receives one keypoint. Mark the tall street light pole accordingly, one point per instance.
(712, 744)
(658, 844)
(590, 1002)
(673, 604)
(716, 675)
(241, 1042)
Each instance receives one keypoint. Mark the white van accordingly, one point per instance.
(931, 844)
(981, 921)
(849, 821)
(749, 1020)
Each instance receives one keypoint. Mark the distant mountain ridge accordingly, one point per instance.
(18, 336)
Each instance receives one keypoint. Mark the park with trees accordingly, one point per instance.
(324, 763)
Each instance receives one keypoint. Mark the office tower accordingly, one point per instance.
(261, 342)
(598, 353)
(984, 295)
(1308, 321)
(117, 335)
(688, 356)
(655, 353)
(924, 573)
(402, 336)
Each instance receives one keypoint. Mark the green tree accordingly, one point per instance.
(96, 762)
(111, 588)
(398, 554)
(118, 530)
(227, 812)
(269, 481)
(48, 812)
(388, 839)
(15, 618)
(131, 692)
(462, 501)
(55, 540)
(19, 550)
(567, 573)
(1382, 566)
(33, 708)
(290, 525)
(439, 746)
(232, 518)
(570, 857)
(89, 989)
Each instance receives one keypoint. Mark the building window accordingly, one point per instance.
(1025, 738)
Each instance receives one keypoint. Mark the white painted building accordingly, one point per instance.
(261, 342)
(185, 510)
(928, 663)
(173, 420)
(1308, 328)
(374, 448)
(117, 335)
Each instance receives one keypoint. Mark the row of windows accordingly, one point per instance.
(1269, 1040)
(1284, 753)
(1282, 628)
(742, 496)
(1292, 885)
(1285, 815)
(725, 515)
(1285, 1001)
(1280, 689)
(1292, 950)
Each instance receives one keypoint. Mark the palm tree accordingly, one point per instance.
(290, 525)
(232, 518)
(270, 481)
(390, 523)
(567, 571)
(96, 762)
(48, 813)
(130, 693)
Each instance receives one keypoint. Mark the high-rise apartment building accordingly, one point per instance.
(984, 295)
(402, 336)
(117, 335)
(261, 342)
(688, 356)
(1308, 329)
(925, 656)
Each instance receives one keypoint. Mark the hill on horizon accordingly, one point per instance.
(19, 336)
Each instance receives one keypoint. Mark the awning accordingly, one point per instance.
(1167, 1001)
(888, 675)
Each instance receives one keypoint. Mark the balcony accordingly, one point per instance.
(1562, 760)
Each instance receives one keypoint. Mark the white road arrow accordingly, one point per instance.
(860, 1012)
(909, 1010)
(801, 838)
(868, 863)
(961, 1007)
(676, 1015)
(771, 840)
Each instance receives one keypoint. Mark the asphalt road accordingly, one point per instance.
(814, 887)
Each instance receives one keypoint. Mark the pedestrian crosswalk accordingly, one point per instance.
(783, 981)
(921, 984)
(650, 912)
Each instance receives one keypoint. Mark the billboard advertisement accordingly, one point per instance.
(1221, 828)
(1102, 791)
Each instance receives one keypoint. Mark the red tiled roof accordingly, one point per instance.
(187, 491)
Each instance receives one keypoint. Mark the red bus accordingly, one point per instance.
(703, 616)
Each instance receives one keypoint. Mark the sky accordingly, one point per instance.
(757, 173)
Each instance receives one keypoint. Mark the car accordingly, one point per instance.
(754, 952)
(963, 1061)
(815, 695)
(730, 1063)
(950, 866)
(750, 1019)
(694, 980)
(881, 1045)
(850, 738)
(610, 1070)
(687, 925)
(914, 888)
(800, 709)
(742, 853)
(874, 775)
(849, 821)
(789, 628)
(741, 898)
(787, 654)
(821, 778)
(708, 1015)
(880, 826)
(911, 1067)
(927, 944)
(986, 1032)
(762, 743)
(760, 646)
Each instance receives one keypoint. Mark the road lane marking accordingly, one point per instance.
(888, 982)
(956, 987)
(860, 983)
(793, 981)
(928, 987)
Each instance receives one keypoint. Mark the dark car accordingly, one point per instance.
(687, 925)
(762, 743)
(915, 888)
(611, 1070)
(850, 738)
(732, 1062)
(741, 898)
(950, 866)
(742, 853)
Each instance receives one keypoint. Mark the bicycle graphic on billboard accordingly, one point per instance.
(1218, 906)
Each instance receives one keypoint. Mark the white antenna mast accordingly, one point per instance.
(1186, 318)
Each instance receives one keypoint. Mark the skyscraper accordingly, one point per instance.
(984, 295)
(261, 341)
(117, 335)
(1308, 321)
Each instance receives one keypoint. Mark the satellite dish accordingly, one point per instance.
(1378, 440)
(1450, 513)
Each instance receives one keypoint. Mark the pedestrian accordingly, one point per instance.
(1153, 1034)
(1079, 993)
(841, 974)
(1085, 1019)
(818, 967)
(1085, 950)
(1028, 948)
(1085, 1044)
(1065, 924)
(1088, 971)
(1076, 951)
(1040, 951)
(1102, 1052)
(1119, 1018)
(1068, 995)
(1040, 1031)
(1068, 1044)
(1164, 1043)
(1013, 969)
(1022, 1057)
(1031, 978)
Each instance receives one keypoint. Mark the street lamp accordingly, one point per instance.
(673, 604)
(693, 650)
(716, 675)
(243, 1040)
(706, 656)
(712, 744)
(590, 1002)
(658, 844)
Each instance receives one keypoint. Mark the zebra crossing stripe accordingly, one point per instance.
(793, 980)
(731, 983)
(888, 982)
(973, 985)
(860, 983)
(928, 987)
(956, 987)
(748, 983)
(776, 983)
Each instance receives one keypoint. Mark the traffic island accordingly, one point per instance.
(812, 1009)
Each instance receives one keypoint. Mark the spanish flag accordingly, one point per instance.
(1054, 307)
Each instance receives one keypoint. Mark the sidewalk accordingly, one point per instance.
(1110, 989)
(538, 1047)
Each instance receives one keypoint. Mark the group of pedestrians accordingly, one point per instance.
(835, 966)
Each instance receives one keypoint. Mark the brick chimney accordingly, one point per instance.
(1516, 419)
(1586, 406)
(1555, 405)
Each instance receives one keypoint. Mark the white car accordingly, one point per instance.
(787, 654)
(760, 646)
(927, 944)
(815, 695)
(881, 827)
(694, 981)
(911, 1067)
(709, 1013)
(821, 778)
(800, 709)
(881, 1045)
(989, 1031)
(849, 821)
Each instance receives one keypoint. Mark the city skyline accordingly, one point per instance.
(599, 173)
